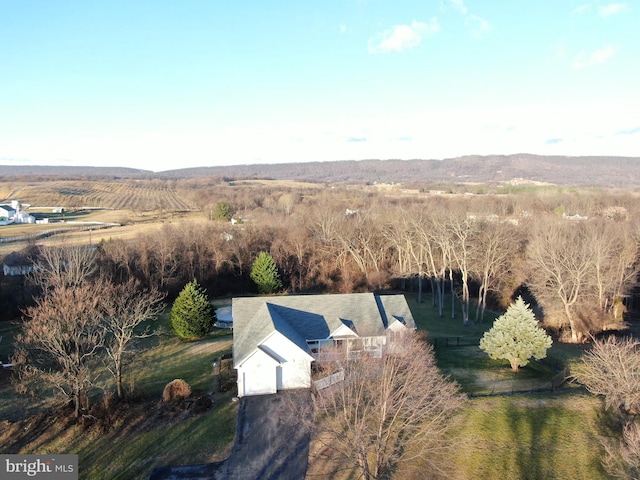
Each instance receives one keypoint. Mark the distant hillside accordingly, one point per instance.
(595, 171)
(69, 171)
(579, 171)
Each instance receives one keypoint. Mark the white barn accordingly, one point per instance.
(275, 339)
(14, 214)
(6, 213)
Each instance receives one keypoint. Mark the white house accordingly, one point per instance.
(275, 339)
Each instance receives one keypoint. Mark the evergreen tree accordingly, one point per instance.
(264, 274)
(515, 336)
(191, 315)
(222, 211)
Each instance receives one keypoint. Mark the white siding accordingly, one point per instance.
(295, 366)
(257, 375)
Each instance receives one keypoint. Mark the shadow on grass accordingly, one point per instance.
(533, 438)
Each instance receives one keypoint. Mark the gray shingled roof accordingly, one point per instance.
(312, 317)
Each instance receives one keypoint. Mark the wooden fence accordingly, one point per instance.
(54, 231)
(439, 342)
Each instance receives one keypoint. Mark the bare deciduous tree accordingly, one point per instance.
(462, 229)
(63, 266)
(622, 457)
(125, 308)
(611, 368)
(560, 264)
(60, 339)
(494, 254)
(388, 409)
(582, 270)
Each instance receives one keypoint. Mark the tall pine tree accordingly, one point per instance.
(264, 274)
(191, 315)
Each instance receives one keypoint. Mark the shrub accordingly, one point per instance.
(177, 388)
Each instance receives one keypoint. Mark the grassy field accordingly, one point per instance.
(531, 437)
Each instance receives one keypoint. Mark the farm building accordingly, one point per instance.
(6, 213)
(14, 214)
(275, 339)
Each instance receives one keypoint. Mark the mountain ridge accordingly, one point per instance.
(603, 171)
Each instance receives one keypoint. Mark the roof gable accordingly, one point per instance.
(344, 330)
(258, 354)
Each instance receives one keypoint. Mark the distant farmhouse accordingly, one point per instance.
(21, 263)
(14, 214)
(275, 339)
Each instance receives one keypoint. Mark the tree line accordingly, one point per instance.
(574, 254)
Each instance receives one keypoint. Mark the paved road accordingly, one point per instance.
(271, 443)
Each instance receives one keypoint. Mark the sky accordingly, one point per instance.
(165, 84)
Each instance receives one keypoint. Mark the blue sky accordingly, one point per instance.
(168, 84)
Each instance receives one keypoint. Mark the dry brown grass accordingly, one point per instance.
(133, 224)
(280, 183)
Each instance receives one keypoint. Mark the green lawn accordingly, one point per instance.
(531, 437)
(470, 366)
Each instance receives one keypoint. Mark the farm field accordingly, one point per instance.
(139, 206)
(71, 194)
(132, 225)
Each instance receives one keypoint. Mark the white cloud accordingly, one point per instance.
(459, 6)
(403, 37)
(478, 25)
(582, 9)
(612, 9)
(601, 55)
